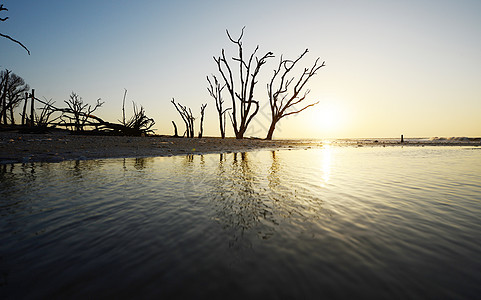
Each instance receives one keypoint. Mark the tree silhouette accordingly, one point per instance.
(202, 112)
(244, 106)
(282, 103)
(81, 111)
(12, 91)
(215, 90)
(187, 117)
(9, 37)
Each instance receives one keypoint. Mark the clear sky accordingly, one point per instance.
(392, 67)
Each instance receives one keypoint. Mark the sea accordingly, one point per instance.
(335, 222)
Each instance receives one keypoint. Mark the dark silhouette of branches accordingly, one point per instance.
(12, 90)
(123, 107)
(43, 119)
(9, 37)
(215, 90)
(176, 133)
(81, 111)
(3, 96)
(282, 103)
(187, 117)
(79, 116)
(247, 107)
(202, 111)
(139, 123)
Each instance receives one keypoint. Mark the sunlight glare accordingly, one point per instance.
(328, 118)
(326, 163)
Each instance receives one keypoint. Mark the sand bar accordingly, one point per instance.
(24, 148)
(18, 147)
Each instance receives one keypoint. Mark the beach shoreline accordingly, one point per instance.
(18, 147)
(56, 147)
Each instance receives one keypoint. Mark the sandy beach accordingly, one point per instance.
(56, 147)
(59, 146)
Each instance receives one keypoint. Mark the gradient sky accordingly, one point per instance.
(392, 67)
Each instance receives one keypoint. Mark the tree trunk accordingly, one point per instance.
(32, 109)
(270, 133)
(4, 100)
(175, 130)
(222, 133)
(11, 115)
(240, 134)
(222, 126)
(24, 109)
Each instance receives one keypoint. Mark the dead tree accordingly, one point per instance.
(43, 119)
(80, 110)
(202, 111)
(176, 134)
(244, 106)
(123, 107)
(8, 37)
(282, 103)
(215, 90)
(139, 123)
(3, 97)
(13, 89)
(187, 117)
(24, 111)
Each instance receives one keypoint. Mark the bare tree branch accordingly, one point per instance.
(215, 91)
(15, 41)
(202, 111)
(244, 107)
(9, 37)
(187, 117)
(281, 102)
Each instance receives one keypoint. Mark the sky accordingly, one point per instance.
(392, 67)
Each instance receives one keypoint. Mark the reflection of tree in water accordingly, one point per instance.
(195, 186)
(139, 163)
(239, 203)
(12, 176)
(290, 199)
(76, 168)
(16, 189)
(273, 177)
(142, 162)
(246, 203)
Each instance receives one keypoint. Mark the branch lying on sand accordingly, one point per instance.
(139, 124)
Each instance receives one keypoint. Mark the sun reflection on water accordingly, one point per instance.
(326, 162)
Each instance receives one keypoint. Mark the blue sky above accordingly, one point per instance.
(392, 67)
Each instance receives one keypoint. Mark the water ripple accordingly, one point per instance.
(336, 222)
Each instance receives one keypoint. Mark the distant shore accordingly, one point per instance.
(55, 147)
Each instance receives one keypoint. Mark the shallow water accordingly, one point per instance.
(336, 222)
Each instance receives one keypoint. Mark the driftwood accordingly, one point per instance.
(139, 124)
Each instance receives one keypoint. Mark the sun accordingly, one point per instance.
(329, 118)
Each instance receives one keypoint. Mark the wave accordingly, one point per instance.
(454, 139)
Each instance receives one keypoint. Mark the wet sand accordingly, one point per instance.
(59, 146)
(24, 148)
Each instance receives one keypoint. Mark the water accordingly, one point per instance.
(336, 222)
